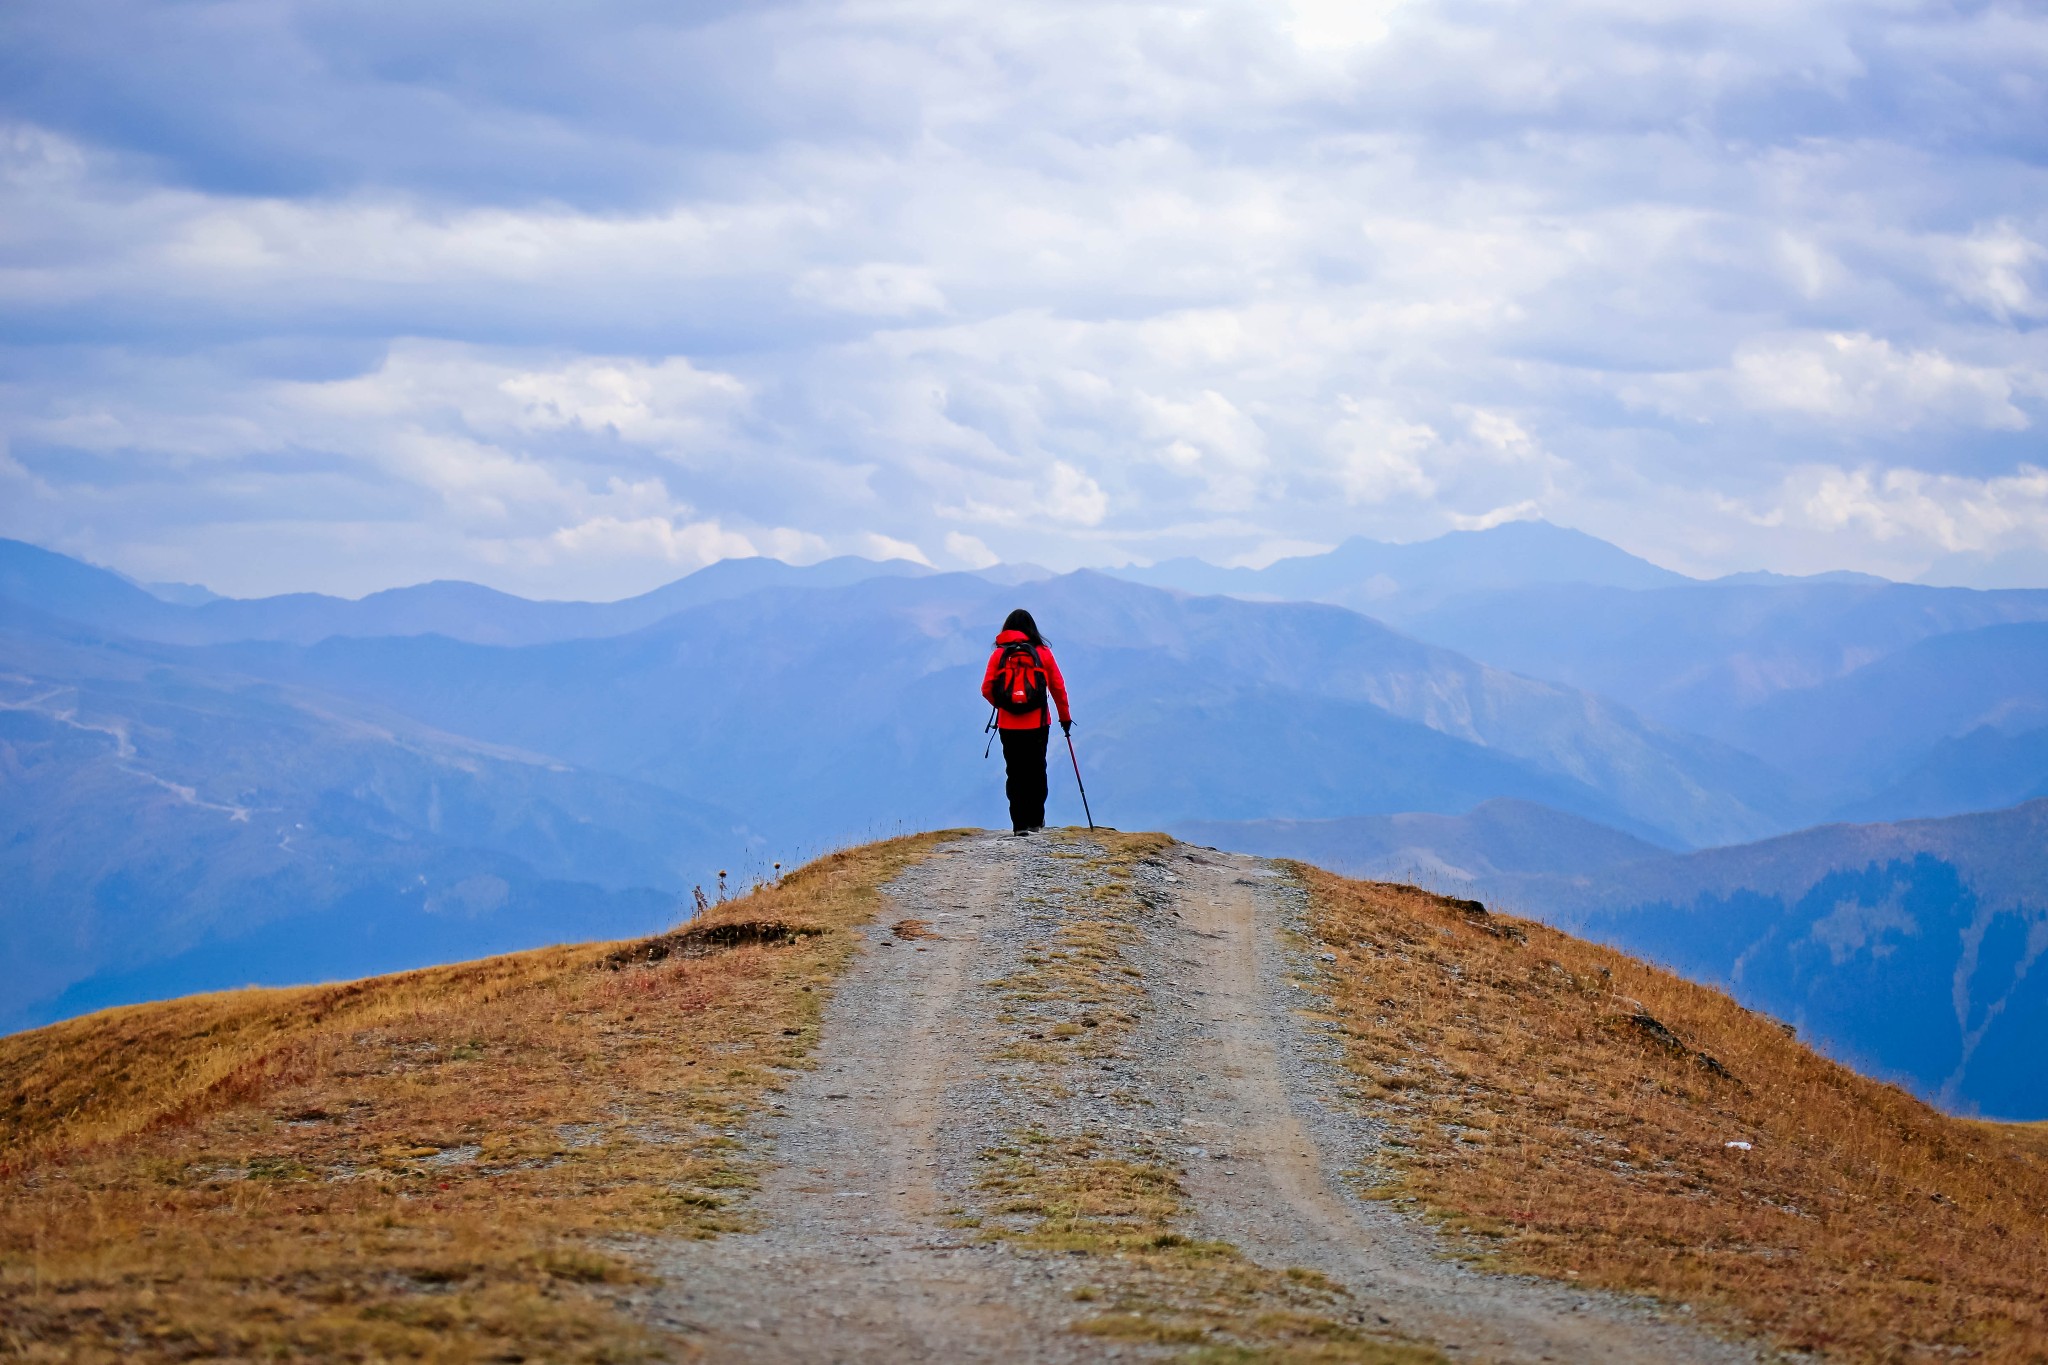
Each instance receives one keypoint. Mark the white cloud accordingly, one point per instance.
(1947, 511)
(875, 289)
(1863, 379)
(669, 403)
(692, 545)
(1503, 435)
(1499, 516)
(1993, 268)
(1209, 279)
(1338, 25)
(1381, 456)
(1852, 382)
(1259, 556)
(888, 547)
(1062, 495)
(1206, 437)
(1073, 497)
(970, 551)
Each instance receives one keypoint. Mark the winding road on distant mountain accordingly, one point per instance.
(1056, 1056)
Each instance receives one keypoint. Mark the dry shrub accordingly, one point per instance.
(437, 1165)
(1569, 1107)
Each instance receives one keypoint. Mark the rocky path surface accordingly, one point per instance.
(1074, 1102)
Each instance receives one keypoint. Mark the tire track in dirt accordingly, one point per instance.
(854, 1260)
(1277, 1101)
(881, 1235)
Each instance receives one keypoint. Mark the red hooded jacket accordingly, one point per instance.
(1054, 683)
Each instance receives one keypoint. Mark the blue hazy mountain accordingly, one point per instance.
(61, 586)
(1701, 656)
(1841, 681)
(1395, 580)
(1719, 659)
(167, 828)
(1986, 769)
(1915, 951)
(1454, 854)
(1869, 728)
(181, 594)
(184, 815)
(829, 707)
(1852, 689)
(178, 816)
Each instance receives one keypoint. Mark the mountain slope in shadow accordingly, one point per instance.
(167, 828)
(863, 699)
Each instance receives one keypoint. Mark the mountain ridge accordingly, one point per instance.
(62, 586)
(1909, 949)
(1383, 577)
(167, 828)
(912, 638)
(1019, 1099)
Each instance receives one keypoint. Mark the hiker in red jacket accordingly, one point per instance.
(1021, 674)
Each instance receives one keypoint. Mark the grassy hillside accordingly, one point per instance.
(443, 1165)
(1906, 950)
(457, 1163)
(1570, 1109)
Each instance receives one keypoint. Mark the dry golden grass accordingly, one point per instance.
(1561, 1104)
(438, 1165)
(2033, 1136)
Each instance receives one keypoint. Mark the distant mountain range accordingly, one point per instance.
(1914, 951)
(1397, 580)
(1456, 855)
(1861, 692)
(183, 614)
(825, 702)
(1870, 728)
(166, 828)
(178, 798)
(1703, 656)
(202, 791)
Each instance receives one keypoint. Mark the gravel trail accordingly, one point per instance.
(1278, 1101)
(1158, 1014)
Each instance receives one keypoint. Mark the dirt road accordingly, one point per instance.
(1079, 1107)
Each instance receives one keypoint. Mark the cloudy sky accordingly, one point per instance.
(572, 299)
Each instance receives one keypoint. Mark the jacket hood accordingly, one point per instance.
(1012, 637)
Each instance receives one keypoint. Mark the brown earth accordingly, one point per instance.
(979, 1098)
(1074, 1124)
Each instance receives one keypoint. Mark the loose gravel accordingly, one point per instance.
(1190, 1036)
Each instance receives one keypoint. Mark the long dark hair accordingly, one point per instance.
(1020, 619)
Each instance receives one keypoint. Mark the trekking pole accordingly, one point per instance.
(990, 730)
(1077, 780)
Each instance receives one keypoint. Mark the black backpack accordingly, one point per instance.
(1020, 680)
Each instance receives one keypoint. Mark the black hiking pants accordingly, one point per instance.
(1024, 757)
